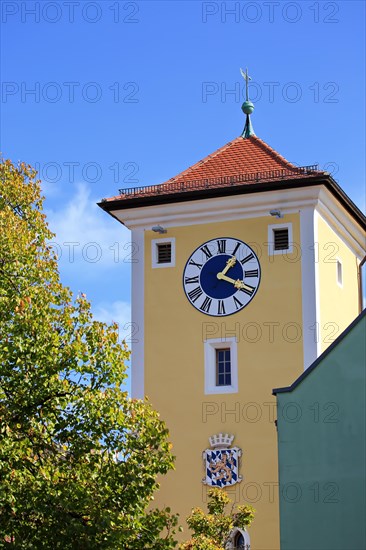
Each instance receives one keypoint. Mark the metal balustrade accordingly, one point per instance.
(212, 183)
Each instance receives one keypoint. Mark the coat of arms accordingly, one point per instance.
(221, 462)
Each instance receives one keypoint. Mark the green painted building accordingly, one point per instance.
(321, 449)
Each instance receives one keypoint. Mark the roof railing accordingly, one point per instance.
(211, 183)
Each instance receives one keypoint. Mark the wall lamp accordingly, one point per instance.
(276, 213)
(158, 229)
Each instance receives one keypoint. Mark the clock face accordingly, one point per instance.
(222, 276)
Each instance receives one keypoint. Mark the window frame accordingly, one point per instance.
(271, 239)
(155, 253)
(210, 347)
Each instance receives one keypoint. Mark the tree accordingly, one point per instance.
(78, 457)
(212, 531)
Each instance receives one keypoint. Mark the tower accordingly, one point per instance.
(247, 269)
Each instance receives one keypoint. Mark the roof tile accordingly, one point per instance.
(240, 156)
(241, 161)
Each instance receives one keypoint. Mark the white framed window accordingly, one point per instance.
(163, 252)
(339, 272)
(221, 365)
(280, 239)
(239, 540)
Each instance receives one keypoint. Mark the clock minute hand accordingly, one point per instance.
(237, 283)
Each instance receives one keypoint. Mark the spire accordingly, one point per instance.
(247, 107)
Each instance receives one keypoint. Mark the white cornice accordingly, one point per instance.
(219, 209)
(250, 205)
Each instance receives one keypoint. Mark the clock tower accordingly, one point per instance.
(246, 268)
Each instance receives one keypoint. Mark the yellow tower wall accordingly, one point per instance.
(284, 328)
(270, 354)
(338, 303)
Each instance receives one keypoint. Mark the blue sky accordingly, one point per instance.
(111, 94)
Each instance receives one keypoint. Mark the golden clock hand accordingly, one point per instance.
(237, 283)
(230, 263)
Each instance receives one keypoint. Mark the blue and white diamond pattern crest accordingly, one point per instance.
(221, 463)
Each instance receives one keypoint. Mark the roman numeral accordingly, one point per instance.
(221, 246)
(206, 304)
(190, 280)
(236, 248)
(206, 251)
(191, 262)
(238, 303)
(221, 308)
(251, 273)
(195, 293)
(247, 258)
(248, 289)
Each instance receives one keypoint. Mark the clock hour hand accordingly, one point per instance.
(230, 263)
(237, 283)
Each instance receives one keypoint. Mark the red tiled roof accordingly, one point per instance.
(240, 156)
(241, 161)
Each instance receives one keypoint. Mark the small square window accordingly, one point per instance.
(280, 239)
(163, 252)
(339, 273)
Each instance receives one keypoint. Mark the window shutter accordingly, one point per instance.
(280, 238)
(164, 253)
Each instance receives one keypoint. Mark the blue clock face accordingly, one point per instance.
(222, 276)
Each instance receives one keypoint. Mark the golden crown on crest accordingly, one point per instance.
(221, 440)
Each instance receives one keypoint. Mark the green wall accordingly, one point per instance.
(321, 442)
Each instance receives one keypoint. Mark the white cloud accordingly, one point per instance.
(117, 312)
(87, 229)
(85, 234)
